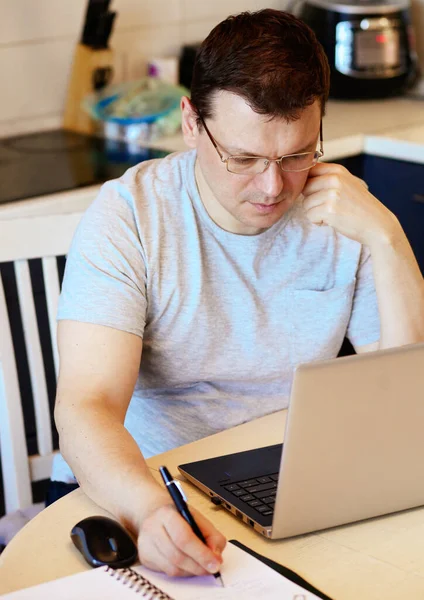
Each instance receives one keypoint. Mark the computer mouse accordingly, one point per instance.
(103, 541)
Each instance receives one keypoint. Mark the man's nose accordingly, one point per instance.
(271, 181)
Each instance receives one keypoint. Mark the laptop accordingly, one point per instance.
(353, 449)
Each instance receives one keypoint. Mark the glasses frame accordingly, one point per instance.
(267, 161)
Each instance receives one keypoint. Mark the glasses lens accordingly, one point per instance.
(247, 165)
(299, 162)
(252, 165)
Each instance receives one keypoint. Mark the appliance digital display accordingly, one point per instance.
(377, 48)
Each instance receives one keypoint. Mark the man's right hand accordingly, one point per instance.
(90, 410)
(167, 543)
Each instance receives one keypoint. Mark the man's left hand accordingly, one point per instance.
(335, 197)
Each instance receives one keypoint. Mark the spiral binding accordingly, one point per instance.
(138, 583)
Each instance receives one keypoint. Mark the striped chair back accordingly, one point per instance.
(32, 257)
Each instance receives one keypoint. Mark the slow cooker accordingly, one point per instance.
(369, 45)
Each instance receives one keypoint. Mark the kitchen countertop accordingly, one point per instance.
(393, 128)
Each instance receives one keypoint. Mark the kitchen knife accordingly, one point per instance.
(95, 9)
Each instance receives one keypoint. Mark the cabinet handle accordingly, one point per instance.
(418, 198)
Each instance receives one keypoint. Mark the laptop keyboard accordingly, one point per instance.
(258, 493)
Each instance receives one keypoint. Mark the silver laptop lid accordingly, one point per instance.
(354, 441)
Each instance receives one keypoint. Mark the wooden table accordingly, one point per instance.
(378, 559)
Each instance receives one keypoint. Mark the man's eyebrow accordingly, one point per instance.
(235, 151)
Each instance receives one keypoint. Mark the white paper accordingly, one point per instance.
(244, 577)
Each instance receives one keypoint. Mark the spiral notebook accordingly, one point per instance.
(244, 576)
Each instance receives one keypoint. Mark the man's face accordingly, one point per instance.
(248, 204)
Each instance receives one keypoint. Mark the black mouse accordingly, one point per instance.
(103, 541)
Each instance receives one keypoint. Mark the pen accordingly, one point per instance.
(176, 492)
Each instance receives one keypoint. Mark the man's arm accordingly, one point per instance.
(98, 371)
(367, 348)
(335, 197)
(400, 290)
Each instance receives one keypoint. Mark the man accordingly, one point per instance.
(196, 283)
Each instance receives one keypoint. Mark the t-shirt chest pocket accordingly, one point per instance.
(317, 321)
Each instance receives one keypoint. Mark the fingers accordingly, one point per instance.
(341, 200)
(168, 544)
(330, 177)
(317, 184)
(170, 559)
(321, 207)
(327, 168)
(188, 543)
(318, 216)
(362, 182)
(152, 556)
(214, 538)
(328, 197)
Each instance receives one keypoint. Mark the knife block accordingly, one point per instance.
(92, 69)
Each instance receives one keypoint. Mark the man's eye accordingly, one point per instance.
(297, 160)
(244, 160)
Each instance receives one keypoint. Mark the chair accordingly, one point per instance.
(21, 240)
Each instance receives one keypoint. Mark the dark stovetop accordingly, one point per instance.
(43, 163)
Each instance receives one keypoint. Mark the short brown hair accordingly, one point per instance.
(270, 58)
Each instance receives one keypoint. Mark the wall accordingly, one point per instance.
(38, 37)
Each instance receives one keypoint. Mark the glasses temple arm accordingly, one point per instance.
(210, 137)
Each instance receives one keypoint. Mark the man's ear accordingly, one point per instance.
(189, 122)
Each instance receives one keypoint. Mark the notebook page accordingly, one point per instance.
(95, 584)
(244, 577)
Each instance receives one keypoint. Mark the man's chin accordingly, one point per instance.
(260, 219)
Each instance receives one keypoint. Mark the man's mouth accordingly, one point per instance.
(265, 208)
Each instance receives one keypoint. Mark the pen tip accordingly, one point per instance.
(220, 579)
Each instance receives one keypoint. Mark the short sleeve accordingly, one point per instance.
(105, 274)
(364, 323)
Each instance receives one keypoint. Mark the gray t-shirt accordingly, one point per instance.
(224, 318)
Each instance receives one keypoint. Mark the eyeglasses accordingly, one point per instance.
(254, 165)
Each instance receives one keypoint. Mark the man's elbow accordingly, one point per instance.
(63, 421)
